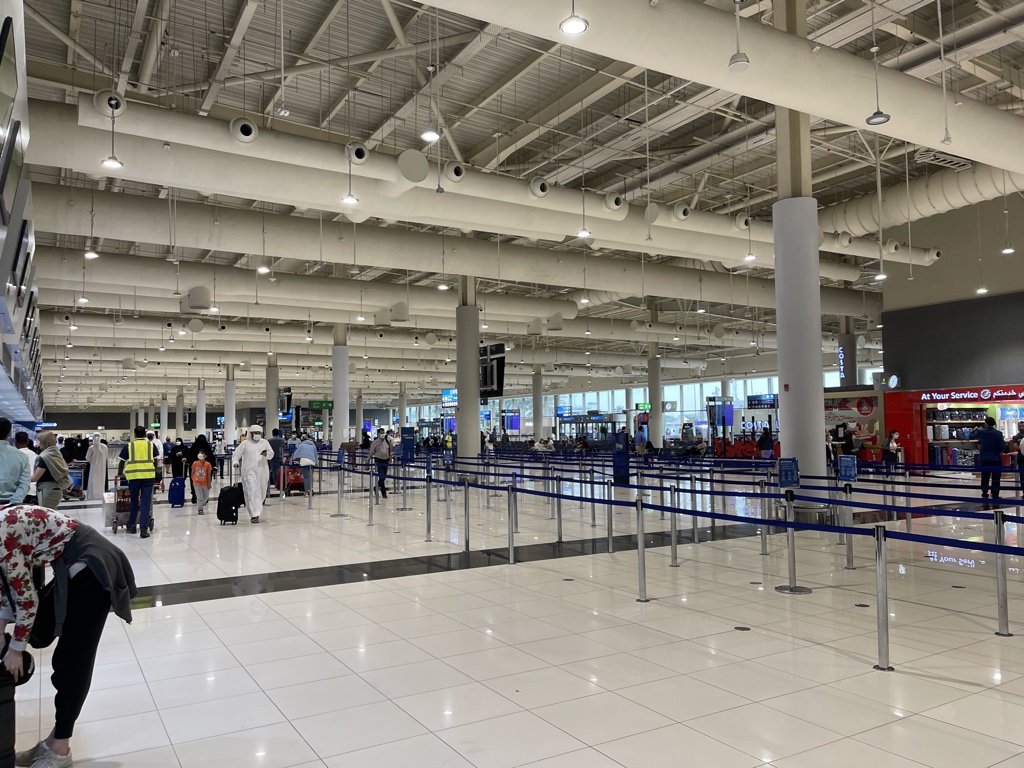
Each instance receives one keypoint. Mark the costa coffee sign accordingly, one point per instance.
(972, 395)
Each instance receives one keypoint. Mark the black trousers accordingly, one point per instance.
(992, 478)
(75, 654)
(382, 476)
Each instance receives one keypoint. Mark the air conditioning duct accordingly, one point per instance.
(454, 171)
(400, 312)
(382, 318)
(243, 130)
(555, 322)
(357, 152)
(539, 187)
(613, 201)
(196, 300)
(681, 211)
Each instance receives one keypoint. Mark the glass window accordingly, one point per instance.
(619, 400)
(831, 378)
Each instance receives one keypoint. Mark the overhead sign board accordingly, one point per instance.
(669, 406)
(643, 406)
(972, 394)
(449, 398)
(762, 402)
(46, 424)
(847, 352)
(321, 405)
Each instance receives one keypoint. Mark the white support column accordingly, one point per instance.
(359, 415)
(272, 399)
(150, 414)
(339, 385)
(467, 371)
(179, 413)
(656, 426)
(537, 401)
(403, 407)
(164, 426)
(201, 408)
(140, 416)
(798, 318)
(230, 406)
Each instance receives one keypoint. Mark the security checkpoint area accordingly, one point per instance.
(534, 384)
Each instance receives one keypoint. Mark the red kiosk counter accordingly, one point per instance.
(935, 425)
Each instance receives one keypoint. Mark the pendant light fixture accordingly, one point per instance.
(881, 276)
(946, 138)
(584, 232)
(739, 61)
(360, 317)
(878, 117)
(349, 198)
(1008, 249)
(981, 290)
(750, 225)
(90, 247)
(572, 24)
(112, 163)
(214, 309)
(430, 133)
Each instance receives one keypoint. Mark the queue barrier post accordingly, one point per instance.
(762, 489)
(430, 481)
(672, 530)
(641, 553)
(511, 524)
(280, 484)
(558, 511)
(694, 530)
(791, 588)
(465, 505)
(593, 501)
(372, 496)
(609, 497)
(882, 598)
(448, 495)
(999, 516)
(848, 520)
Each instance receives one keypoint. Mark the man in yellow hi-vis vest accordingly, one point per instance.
(138, 465)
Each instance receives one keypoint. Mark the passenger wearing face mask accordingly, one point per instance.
(251, 459)
(177, 458)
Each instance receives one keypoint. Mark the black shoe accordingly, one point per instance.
(152, 523)
(132, 529)
(254, 519)
(384, 494)
(144, 534)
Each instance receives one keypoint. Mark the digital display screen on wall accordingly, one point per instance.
(449, 398)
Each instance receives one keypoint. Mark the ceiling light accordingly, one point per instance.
(750, 256)
(485, 326)
(878, 117)
(90, 253)
(145, 359)
(1007, 250)
(429, 135)
(739, 62)
(72, 327)
(573, 24)
(981, 291)
(586, 332)
(701, 310)
(674, 338)
(262, 269)
(360, 317)
(270, 353)
(69, 345)
(163, 348)
(113, 163)
(415, 343)
(587, 352)
(83, 299)
(753, 343)
(365, 356)
(880, 277)
(584, 300)
(584, 232)
(448, 359)
(182, 331)
(443, 287)
(350, 199)
(215, 309)
(281, 110)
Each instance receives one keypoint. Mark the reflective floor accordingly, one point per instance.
(550, 663)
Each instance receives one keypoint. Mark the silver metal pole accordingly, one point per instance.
(280, 485)
(611, 511)
(882, 599)
(848, 520)
(309, 496)
(550, 485)
(511, 524)
(447, 495)
(694, 530)
(487, 481)
(641, 553)
(999, 516)
(429, 482)
(558, 511)
(465, 522)
(713, 501)
(791, 588)
(762, 489)
(672, 530)
(593, 501)
(372, 496)
(662, 483)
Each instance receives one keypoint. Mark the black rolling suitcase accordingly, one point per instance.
(7, 720)
(229, 500)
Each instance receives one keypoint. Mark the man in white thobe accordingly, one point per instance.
(251, 458)
(97, 458)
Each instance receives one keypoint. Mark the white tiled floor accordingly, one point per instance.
(549, 664)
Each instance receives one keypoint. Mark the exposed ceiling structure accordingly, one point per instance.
(607, 191)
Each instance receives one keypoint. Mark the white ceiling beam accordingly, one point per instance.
(132, 44)
(314, 41)
(228, 57)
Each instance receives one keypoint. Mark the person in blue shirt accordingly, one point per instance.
(305, 455)
(991, 446)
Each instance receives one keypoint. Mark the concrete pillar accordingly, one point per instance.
(656, 426)
(467, 373)
(403, 407)
(179, 413)
(230, 406)
(359, 414)
(537, 386)
(201, 408)
(797, 274)
(140, 416)
(339, 385)
(164, 426)
(150, 414)
(272, 400)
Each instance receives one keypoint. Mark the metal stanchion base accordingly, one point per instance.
(645, 600)
(1003, 634)
(884, 669)
(794, 590)
(403, 509)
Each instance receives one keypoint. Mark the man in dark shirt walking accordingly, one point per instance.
(991, 446)
(278, 444)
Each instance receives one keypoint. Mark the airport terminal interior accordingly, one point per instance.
(652, 354)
